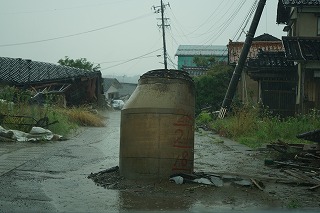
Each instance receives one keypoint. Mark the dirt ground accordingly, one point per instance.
(219, 157)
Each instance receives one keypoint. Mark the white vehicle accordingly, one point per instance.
(117, 104)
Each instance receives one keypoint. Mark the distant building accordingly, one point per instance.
(187, 53)
(73, 86)
(264, 42)
(113, 89)
(126, 90)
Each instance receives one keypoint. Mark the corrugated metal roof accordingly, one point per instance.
(205, 50)
(22, 71)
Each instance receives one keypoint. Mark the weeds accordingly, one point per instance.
(18, 113)
(251, 127)
(293, 204)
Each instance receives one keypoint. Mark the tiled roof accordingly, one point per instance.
(21, 71)
(204, 50)
(295, 3)
(283, 10)
(271, 65)
(302, 48)
(265, 37)
(267, 59)
(235, 49)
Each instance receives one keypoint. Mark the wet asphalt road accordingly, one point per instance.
(52, 177)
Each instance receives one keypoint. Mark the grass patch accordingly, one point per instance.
(253, 128)
(83, 117)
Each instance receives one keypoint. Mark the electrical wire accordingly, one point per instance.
(132, 59)
(212, 28)
(62, 9)
(206, 21)
(246, 20)
(180, 27)
(110, 62)
(76, 34)
(226, 23)
(174, 65)
(243, 25)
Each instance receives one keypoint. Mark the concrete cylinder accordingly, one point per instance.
(157, 126)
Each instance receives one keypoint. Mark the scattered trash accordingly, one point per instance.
(258, 185)
(301, 162)
(177, 179)
(243, 182)
(214, 180)
(35, 134)
(203, 181)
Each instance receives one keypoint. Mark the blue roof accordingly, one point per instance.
(204, 50)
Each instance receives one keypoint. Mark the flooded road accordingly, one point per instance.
(52, 177)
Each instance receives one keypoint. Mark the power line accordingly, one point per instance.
(132, 59)
(221, 18)
(246, 20)
(206, 21)
(62, 9)
(180, 27)
(243, 24)
(76, 34)
(124, 60)
(226, 23)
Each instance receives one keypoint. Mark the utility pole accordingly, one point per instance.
(163, 25)
(242, 59)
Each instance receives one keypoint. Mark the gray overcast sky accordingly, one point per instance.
(121, 35)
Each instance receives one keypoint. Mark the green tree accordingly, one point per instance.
(81, 63)
(211, 88)
(202, 61)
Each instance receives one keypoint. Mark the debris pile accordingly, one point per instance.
(108, 178)
(217, 180)
(35, 134)
(111, 179)
(299, 161)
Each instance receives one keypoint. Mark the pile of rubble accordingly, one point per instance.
(300, 161)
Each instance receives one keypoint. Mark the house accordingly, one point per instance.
(187, 53)
(277, 81)
(111, 88)
(126, 90)
(268, 78)
(302, 47)
(75, 86)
